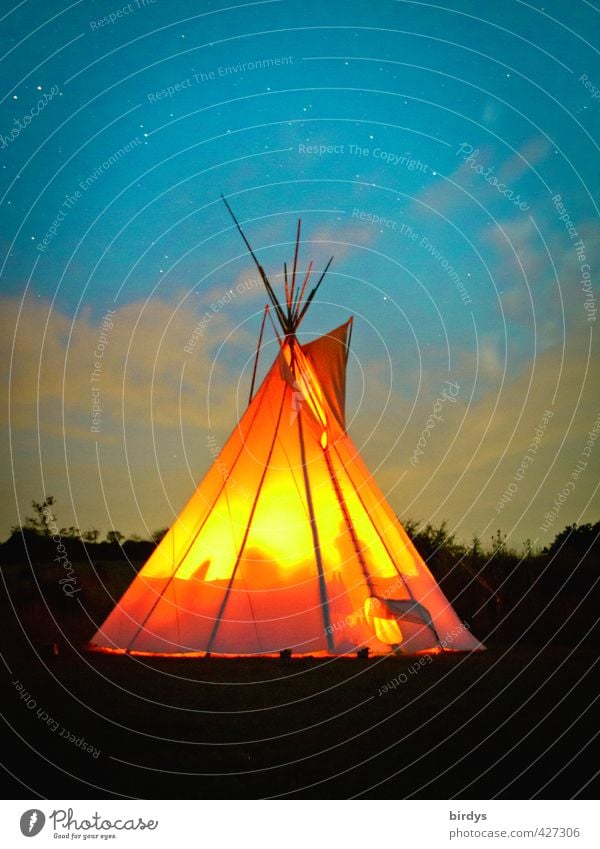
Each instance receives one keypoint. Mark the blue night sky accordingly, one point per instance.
(444, 154)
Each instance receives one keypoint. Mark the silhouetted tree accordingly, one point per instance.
(475, 551)
(40, 522)
(576, 540)
(71, 532)
(499, 542)
(115, 537)
(91, 535)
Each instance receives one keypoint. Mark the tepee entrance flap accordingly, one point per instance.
(407, 609)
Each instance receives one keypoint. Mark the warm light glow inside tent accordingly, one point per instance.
(287, 543)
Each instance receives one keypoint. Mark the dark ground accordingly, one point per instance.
(512, 723)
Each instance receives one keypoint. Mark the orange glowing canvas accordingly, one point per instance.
(287, 542)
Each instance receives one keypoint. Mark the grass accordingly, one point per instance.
(496, 724)
(511, 723)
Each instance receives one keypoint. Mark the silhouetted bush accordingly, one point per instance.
(533, 598)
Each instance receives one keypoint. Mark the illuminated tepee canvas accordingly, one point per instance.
(287, 542)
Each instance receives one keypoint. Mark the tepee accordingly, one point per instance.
(287, 544)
